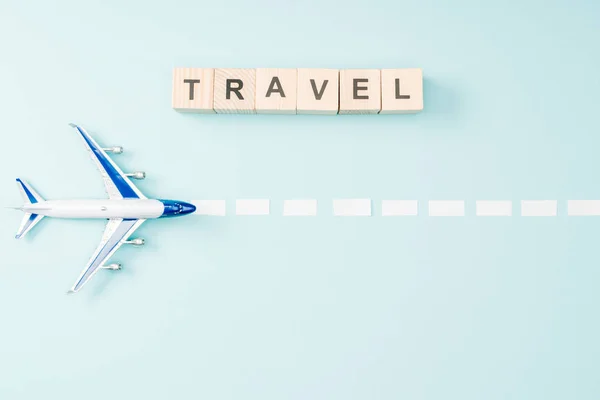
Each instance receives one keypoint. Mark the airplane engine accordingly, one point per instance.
(113, 267)
(136, 242)
(137, 175)
(114, 149)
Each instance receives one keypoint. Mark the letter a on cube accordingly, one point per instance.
(193, 90)
(235, 91)
(276, 90)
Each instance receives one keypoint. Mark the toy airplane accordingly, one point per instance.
(125, 209)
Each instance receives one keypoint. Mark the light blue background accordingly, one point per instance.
(306, 308)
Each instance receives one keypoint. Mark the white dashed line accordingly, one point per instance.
(446, 208)
(296, 208)
(210, 207)
(392, 208)
(395, 208)
(579, 208)
(538, 208)
(493, 208)
(252, 207)
(352, 207)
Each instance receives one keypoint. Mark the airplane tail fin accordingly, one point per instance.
(30, 196)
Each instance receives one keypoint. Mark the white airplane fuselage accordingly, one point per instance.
(103, 209)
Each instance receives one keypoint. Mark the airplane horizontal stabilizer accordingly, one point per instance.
(29, 221)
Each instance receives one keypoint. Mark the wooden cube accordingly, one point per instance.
(234, 91)
(276, 90)
(318, 91)
(360, 91)
(193, 90)
(401, 91)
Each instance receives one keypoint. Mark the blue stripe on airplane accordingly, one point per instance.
(30, 195)
(122, 186)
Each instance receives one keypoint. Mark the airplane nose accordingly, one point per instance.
(188, 208)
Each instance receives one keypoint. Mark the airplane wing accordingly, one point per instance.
(116, 233)
(118, 186)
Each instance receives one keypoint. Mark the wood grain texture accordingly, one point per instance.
(401, 91)
(318, 91)
(360, 91)
(193, 90)
(276, 90)
(234, 91)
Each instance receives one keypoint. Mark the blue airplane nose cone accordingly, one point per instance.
(188, 208)
(176, 208)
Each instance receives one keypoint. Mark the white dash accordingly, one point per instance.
(352, 207)
(579, 208)
(493, 208)
(446, 208)
(210, 207)
(538, 208)
(293, 208)
(393, 208)
(252, 206)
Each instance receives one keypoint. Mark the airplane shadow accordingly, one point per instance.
(186, 229)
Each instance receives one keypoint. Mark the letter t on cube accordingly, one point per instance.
(193, 90)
